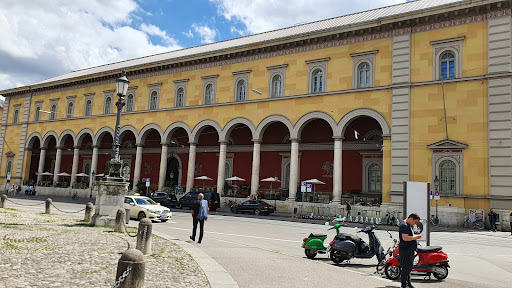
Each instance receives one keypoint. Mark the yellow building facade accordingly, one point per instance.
(421, 94)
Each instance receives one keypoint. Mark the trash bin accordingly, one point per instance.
(127, 215)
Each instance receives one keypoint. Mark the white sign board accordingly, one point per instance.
(309, 187)
(303, 186)
(416, 200)
(147, 182)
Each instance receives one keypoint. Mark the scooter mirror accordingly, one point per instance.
(326, 224)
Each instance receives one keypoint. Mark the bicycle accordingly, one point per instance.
(434, 220)
(478, 223)
(75, 196)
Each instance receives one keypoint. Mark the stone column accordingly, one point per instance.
(191, 166)
(56, 170)
(109, 199)
(337, 174)
(40, 169)
(163, 167)
(255, 177)
(94, 163)
(138, 163)
(294, 169)
(76, 153)
(221, 173)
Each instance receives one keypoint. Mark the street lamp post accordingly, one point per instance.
(436, 185)
(92, 183)
(115, 161)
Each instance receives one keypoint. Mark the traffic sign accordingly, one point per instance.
(303, 186)
(309, 187)
(431, 193)
(437, 195)
(147, 182)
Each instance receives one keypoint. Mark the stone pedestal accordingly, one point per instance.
(109, 198)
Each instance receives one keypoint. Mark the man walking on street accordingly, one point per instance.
(199, 215)
(492, 219)
(407, 247)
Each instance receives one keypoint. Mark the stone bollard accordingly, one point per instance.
(48, 206)
(89, 211)
(144, 236)
(3, 204)
(120, 218)
(131, 269)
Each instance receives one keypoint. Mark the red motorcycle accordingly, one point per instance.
(431, 260)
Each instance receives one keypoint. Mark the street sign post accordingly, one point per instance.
(147, 186)
(303, 186)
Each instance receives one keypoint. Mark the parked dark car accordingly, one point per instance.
(167, 200)
(188, 199)
(253, 206)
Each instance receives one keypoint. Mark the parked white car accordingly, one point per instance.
(143, 207)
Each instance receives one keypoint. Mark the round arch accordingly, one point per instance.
(141, 138)
(81, 135)
(305, 119)
(231, 124)
(128, 128)
(269, 120)
(203, 124)
(64, 134)
(362, 112)
(47, 136)
(32, 138)
(172, 128)
(99, 135)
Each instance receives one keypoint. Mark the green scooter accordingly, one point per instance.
(314, 244)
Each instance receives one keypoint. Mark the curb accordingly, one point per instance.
(216, 274)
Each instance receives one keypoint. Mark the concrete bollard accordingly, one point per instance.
(48, 206)
(131, 269)
(144, 236)
(89, 211)
(3, 203)
(120, 218)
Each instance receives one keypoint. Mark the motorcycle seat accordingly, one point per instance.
(429, 249)
(345, 236)
(317, 235)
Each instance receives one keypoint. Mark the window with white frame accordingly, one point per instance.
(8, 169)
(130, 103)
(107, 108)
(180, 92)
(447, 166)
(317, 72)
(154, 96)
(153, 102)
(241, 85)
(363, 69)
(53, 112)
(88, 104)
(16, 114)
(70, 106)
(180, 97)
(37, 112)
(209, 88)
(276, 80)
(447, 56)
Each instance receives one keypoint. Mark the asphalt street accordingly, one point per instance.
(266, 252)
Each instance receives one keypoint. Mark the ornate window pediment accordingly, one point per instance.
(447, 144)
(10, 154)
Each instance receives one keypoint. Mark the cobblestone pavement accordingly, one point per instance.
(40, 250)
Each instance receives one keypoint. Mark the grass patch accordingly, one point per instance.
(10, 246)
(11, 209)
(158, 255)
(9, 226)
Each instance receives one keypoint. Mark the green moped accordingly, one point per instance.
(314, 244)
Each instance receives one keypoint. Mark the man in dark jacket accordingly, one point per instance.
(493, 217)
(407, 247)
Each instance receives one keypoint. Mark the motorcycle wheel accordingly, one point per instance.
(392, 272)
(310, 253)
(480, 225)
(337, 256)
(440, 272)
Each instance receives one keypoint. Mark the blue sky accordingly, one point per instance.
(44, 39)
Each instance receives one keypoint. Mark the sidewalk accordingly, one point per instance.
(40, 250)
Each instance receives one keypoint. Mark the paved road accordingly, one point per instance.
(262, 252)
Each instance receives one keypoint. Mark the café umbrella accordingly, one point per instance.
(313, 181)
(203, 178)
(235, 178)
(272, 180)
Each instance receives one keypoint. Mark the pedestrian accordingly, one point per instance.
(492, 219)
(18, 190)
(510, 216)
(11, 190)
(407, 247)
(349, 207)
(199, 215)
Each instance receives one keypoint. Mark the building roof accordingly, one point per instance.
(347, 22)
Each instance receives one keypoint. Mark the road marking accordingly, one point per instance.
(238, 235)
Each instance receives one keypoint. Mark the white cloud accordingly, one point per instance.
(43, 39)
(207, 34)
(188, 34)
(265, 15)
(236, 31)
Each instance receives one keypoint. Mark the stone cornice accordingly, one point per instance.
(368, 31)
